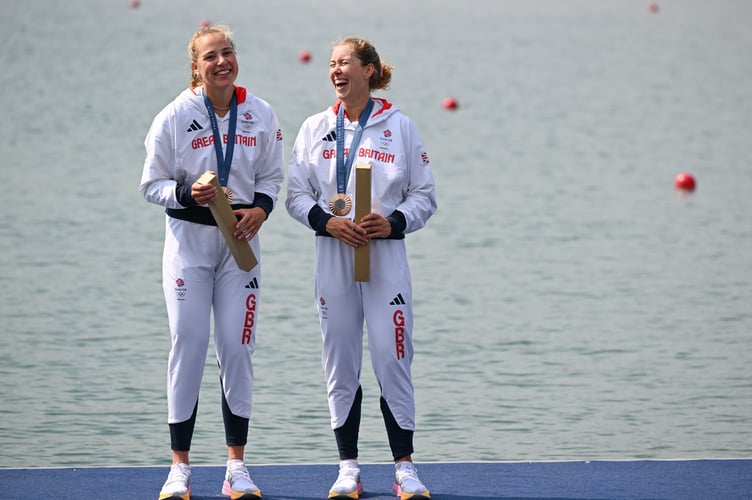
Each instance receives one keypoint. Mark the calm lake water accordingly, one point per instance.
(570, 303)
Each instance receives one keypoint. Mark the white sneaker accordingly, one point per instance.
(238, 484)
(407, 486)
(178, 484)
(348, 483)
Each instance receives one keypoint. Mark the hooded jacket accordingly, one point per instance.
(180, 148)
(402, 186)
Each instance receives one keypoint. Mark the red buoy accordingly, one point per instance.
(450, 103)
(653, 7)
(135, 4)
(205, 23)
(685, 182)
(304, 56)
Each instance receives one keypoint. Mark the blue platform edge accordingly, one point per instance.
(704, 479)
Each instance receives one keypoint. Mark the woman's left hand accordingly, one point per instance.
(250, 223)
(376, 226)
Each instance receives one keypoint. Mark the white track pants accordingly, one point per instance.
(199, 275)
(385, 303)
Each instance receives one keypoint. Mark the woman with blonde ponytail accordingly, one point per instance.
(219, 127)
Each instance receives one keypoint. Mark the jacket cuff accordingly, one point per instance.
(263, 201)
(317, 218)
(398, 222)
(183, 194)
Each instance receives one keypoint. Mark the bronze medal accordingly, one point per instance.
(228, 193)
(340, 204)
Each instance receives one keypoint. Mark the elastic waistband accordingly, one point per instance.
(199, 215)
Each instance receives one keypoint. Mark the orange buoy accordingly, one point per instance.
(304, 56)
(450, 103)
(685, 182)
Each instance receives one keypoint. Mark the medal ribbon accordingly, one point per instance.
(223, 161)
(344, 166)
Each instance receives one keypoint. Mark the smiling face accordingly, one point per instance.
(349, 76)
(216, 62)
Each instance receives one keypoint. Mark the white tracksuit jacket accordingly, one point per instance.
(401, 180)
(199, 272)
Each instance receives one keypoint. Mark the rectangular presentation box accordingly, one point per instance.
(362, 208)
(226, 221)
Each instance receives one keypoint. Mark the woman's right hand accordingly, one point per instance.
(204, 193)
(347, 231)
